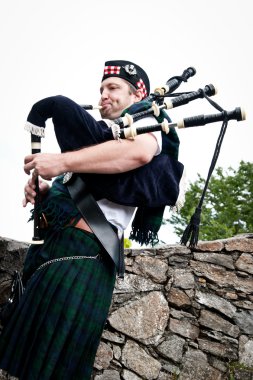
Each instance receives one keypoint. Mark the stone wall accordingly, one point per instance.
(178, 314)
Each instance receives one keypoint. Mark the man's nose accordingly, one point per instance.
(104, 94)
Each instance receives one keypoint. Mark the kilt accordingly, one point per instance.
(55, 331)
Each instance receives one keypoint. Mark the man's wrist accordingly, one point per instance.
(65, 163)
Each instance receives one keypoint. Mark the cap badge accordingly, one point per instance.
(130, 69)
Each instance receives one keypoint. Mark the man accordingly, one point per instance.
(151, 186)
(69, 279)
(122, 86)
(119, 90)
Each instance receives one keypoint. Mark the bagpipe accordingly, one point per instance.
(151, 187)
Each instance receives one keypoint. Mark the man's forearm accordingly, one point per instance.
(107, 158)
(111, 157)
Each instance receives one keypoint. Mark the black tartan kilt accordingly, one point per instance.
(55, 332)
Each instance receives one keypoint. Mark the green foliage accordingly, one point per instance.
(227, 207)
(127, 243)
(238, 367)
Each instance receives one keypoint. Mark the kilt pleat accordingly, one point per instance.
(56, 329)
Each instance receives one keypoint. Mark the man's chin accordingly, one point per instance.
(106, 114)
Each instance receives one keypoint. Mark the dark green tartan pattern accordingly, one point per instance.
(148, 220)
(55, 332)
(170, 142)
(57, 205)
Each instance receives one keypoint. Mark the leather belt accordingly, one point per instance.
(96, 220)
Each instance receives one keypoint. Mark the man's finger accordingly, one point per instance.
(35, 173)
(31, 183)
(24, 202)
(29, 158)
(28, 168)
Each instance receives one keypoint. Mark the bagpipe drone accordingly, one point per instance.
(151, 187)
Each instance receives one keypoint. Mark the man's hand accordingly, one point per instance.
(30, 193)
(47, 165)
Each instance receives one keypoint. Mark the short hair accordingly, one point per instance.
(132, 89)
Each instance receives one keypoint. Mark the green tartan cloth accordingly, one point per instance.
(148, 220)
(55, 332)
(170, 142)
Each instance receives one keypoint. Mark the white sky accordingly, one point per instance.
(55, 47)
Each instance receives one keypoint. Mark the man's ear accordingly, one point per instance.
(138, 95)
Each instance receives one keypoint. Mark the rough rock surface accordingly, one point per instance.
(180, 313)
